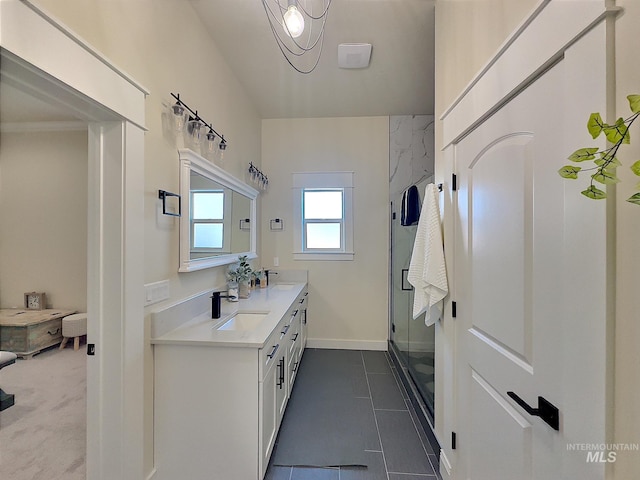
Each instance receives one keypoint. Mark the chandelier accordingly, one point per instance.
(298, 28)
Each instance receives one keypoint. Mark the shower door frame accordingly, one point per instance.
(425, 411)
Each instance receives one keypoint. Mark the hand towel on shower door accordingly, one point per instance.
(427, 272)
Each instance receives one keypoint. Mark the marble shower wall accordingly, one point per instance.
(411, 151)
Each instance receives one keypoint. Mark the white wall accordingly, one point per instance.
(43, 218)
(161, 44)
(348, 304)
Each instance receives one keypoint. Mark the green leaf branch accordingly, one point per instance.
(605, 161)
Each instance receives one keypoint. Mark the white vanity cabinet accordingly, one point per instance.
(219, 397)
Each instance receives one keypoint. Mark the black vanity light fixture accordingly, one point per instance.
(258, 178)
(195, 124)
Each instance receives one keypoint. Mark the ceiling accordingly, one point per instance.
(398, 81)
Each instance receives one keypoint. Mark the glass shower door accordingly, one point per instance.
(413, 340)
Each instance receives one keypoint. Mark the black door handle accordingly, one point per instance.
(546, 410)
(403, 275)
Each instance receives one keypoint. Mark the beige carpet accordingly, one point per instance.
(43, 436)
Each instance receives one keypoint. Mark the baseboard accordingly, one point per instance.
(151, 474)
(445, 466)
(336, 344)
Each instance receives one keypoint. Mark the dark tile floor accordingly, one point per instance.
(401, 450)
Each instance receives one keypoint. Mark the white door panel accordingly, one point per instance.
(500, 270)
(508, 449)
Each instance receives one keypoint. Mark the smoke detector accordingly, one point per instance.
(354, 55)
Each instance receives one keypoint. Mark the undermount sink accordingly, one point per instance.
(243, 321)
(283, 286)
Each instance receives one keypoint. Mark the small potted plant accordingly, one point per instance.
(241, 273)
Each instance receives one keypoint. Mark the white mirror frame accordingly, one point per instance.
(190, 161)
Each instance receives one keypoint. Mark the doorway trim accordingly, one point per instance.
(44, 57)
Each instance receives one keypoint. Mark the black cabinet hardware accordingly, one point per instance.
(295, 337)
(295, 312)
(546, 410)
(285, 330)
(304, 316)
(454, 442)
(281, 373)
(57, 330)
(273, 352)
(91, 348)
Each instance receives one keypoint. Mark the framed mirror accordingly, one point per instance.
(218, 221)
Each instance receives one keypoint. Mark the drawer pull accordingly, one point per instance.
(295, 337)
(55, 332)
(285, 330)
(273, 352)
(295, 312)
(280, 382)
(301, 300)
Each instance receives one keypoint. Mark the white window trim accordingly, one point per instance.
(322, 180)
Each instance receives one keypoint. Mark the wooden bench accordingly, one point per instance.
(27, 332)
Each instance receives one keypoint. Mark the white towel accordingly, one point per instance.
(427, 271)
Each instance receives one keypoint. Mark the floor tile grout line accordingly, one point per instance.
(375, 418)
(407, 402)
(414, 474)
(410, 408)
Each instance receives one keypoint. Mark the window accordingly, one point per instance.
(323, 218)
(207, 220)
(323, 206)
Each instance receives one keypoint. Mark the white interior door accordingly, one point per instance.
(531, 298)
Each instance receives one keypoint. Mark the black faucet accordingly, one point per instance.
(216, 305)
(267, 273)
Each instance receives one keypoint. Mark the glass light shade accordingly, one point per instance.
(293, 22)
(195, 131)
(179, 116)
(210, 144)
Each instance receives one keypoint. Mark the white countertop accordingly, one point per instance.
(201, 330)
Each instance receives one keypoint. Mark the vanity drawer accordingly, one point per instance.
(272, 350)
